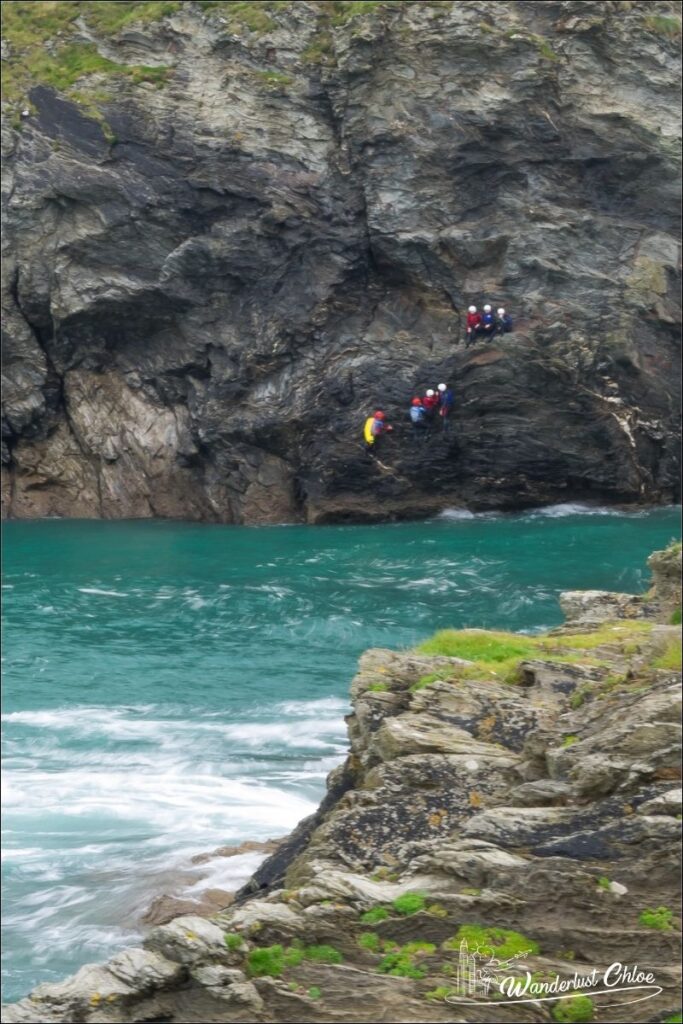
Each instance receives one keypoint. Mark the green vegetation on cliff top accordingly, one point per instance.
(499, 654)
(48, 44)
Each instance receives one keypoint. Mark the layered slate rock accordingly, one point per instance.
(546, 805)
(208, 286)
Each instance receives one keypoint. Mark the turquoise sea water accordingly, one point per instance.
(170, 688)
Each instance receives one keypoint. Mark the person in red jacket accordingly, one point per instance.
(430, 402)
(473, 325)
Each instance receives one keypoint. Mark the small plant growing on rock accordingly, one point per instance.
(436, 910)
(578, 697)
(401, 962)
(569, 741)
(233, 941)
(675, 619)
(370, 941)
(314, 992)
(378, 688)
(375, 915)
(574, 1010)
(437, 995)
(431, 677)
(267, 962)
(323, 955)
(660, 919)
(409, 903)
(470, 892)
(384, 874)
(671, 659)
(663, 24)
(676, 1019)
(604, 882)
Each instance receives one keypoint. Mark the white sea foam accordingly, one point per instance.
(226, 873)
(572, 508)
(102, 593)
(333, 706)
(456, 513)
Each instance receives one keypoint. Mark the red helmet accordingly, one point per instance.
(379, 415)
(417, 401)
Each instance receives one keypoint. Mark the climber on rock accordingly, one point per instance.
(418, 417)
(430, 404)
(375, 426)
(487, 328)
(503, 321)
(445, 405)
(473, 323)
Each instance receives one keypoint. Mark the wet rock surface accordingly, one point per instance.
(208, 289)
(548, 811)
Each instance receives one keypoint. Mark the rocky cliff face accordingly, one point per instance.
(532, 810)
(210, 281)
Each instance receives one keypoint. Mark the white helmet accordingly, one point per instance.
(487, 309)
(472, 309)
(430, 393)
(442, 387)
(500, 311)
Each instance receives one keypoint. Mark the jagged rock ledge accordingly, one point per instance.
(545, 804)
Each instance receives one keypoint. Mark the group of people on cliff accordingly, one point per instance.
(437, 403)
(424, 413)
(486, 324)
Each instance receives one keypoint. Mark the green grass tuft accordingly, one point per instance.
(439, 994)
(314, 992)
(323, 955)
(603, 882)
(575, 1010)
(233, 941)
(661, 919)
(266, 962)
(664, 25)
(375, 915)
(274, 79)
(675, 619)
(671, 659)
(401, 963)
(409, 903)
(272, 961)
(370, 941)
(473, 645)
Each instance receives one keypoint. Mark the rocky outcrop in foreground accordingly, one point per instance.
(254, 224)
(526, 804)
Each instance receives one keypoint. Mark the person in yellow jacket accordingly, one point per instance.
(374, 427)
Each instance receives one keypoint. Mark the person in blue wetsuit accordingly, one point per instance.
(503, 321)
(487, 328)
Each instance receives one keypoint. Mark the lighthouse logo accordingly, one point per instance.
(481, 978)
(477, 972)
